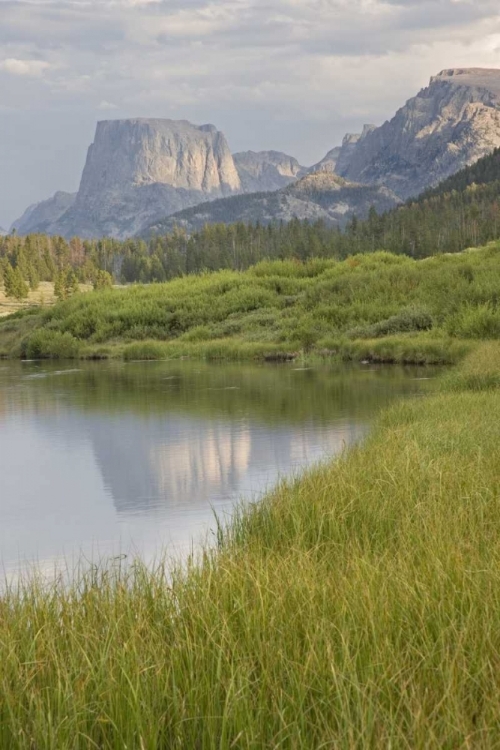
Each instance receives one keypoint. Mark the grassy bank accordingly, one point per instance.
(356, 607)
(380, 307)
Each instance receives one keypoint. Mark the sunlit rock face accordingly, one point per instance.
(167, 152)
(450, 124)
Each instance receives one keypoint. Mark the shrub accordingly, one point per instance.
(49, 344)
(409, 319)
(145, 350)
(475, 322)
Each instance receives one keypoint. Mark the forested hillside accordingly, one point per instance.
(483, 172)
(447, 220)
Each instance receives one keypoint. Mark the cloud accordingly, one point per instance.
(106, 105)
(28, 68)
(285, 74)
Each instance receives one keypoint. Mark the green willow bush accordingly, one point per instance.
(287, 304)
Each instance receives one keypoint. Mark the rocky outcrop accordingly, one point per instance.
(139, 170)
(321, 195)
(262, 171)
(43, 217)
(448, 125)
(338, 158)
(328, 163)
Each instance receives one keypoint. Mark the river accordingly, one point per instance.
(105, 459)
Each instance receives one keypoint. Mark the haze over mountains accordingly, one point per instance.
(142, 174)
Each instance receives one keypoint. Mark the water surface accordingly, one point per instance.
(135, 458)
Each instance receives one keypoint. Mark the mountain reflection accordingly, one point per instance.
(100, 459)
(160, 463)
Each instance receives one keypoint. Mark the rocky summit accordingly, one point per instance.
(447, 126)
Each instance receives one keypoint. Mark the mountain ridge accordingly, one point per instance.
(141, 171)
(450, 124)
(317, 196)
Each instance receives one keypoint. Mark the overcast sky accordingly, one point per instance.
(292, 75)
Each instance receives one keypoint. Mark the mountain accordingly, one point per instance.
(328, 163)
(320, 195)
(264, 171)
(41, 217)
(137, 171)
(450, 124)
(484, 172)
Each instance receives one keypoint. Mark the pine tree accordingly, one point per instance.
(14, 284)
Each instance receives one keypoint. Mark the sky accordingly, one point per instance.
(290, 75)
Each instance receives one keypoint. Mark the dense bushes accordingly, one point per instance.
(410, 319)
(319, 304)
(50, 344)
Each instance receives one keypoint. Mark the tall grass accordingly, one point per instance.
(280, 306)
(356, 607)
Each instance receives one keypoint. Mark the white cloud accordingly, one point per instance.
(29, 68)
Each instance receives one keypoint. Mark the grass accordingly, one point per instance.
(378, 306)
(356, 607)
(43, 296)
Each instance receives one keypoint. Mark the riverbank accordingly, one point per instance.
(378, 307)
(355, 607)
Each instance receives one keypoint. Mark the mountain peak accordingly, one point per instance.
(487, 78)
(448, 125)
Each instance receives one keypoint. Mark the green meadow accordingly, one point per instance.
(378, 306)
(355, 607)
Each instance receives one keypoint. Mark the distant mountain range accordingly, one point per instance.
(319, 195)
(147, 175)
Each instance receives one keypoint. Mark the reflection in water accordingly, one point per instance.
(137, 458)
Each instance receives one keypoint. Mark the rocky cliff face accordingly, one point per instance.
(264, 171)
(166, 152)
(321, 195)
(139, 170)
(448, 125)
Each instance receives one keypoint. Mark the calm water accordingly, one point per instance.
(103, 459)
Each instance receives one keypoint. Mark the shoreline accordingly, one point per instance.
(355, 606)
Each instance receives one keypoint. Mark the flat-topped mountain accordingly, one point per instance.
(137, 170)
(141, 170)
(317, 196)
(448, 125)
(266, 170)
(167, 152)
